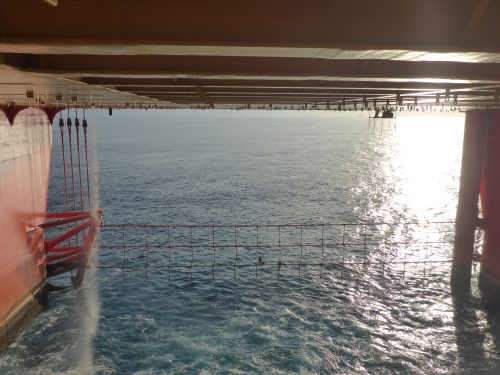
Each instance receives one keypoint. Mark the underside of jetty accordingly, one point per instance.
(250, 54)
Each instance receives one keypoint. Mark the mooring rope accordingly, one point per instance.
(84, 125)
(69, 123)
(61, 127)
(77, 126)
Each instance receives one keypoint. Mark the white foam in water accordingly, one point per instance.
(89, 319)
(89, 313)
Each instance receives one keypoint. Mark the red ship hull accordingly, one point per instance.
(24, 179)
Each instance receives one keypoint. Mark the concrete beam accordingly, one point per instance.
(254, 68)
(363, 25)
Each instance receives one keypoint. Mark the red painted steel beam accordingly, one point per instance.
(55, 215)
(85, 257)
(63, 237)
(63, 249)
(71, 219)
(65, 255)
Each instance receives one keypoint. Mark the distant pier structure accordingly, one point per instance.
(293, 54)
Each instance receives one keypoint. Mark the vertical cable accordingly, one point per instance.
(77, 126)
(84, 125)
(69, 123)
(61, 127)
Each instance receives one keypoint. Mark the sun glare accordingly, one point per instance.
(426, 152)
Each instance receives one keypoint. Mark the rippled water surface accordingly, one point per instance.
(267, 168)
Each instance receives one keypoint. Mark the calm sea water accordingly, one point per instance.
(228, 167)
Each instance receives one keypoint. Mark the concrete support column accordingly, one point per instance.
(489, 279)
(468, 199)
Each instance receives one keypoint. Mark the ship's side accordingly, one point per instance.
(24, 177)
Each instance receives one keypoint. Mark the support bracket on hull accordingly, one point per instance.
(79, 238)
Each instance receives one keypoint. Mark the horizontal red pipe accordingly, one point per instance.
(53, 258)
(55, 223)
(51, 243)
(74, 258)
(64, 249)
(56, 215)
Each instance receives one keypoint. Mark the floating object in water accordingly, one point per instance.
(260, 261)
(386, 113)
(280, 264)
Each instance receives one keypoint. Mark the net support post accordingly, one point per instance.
(489, 276)
(468, 199)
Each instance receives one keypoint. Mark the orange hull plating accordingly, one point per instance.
(24, 178)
